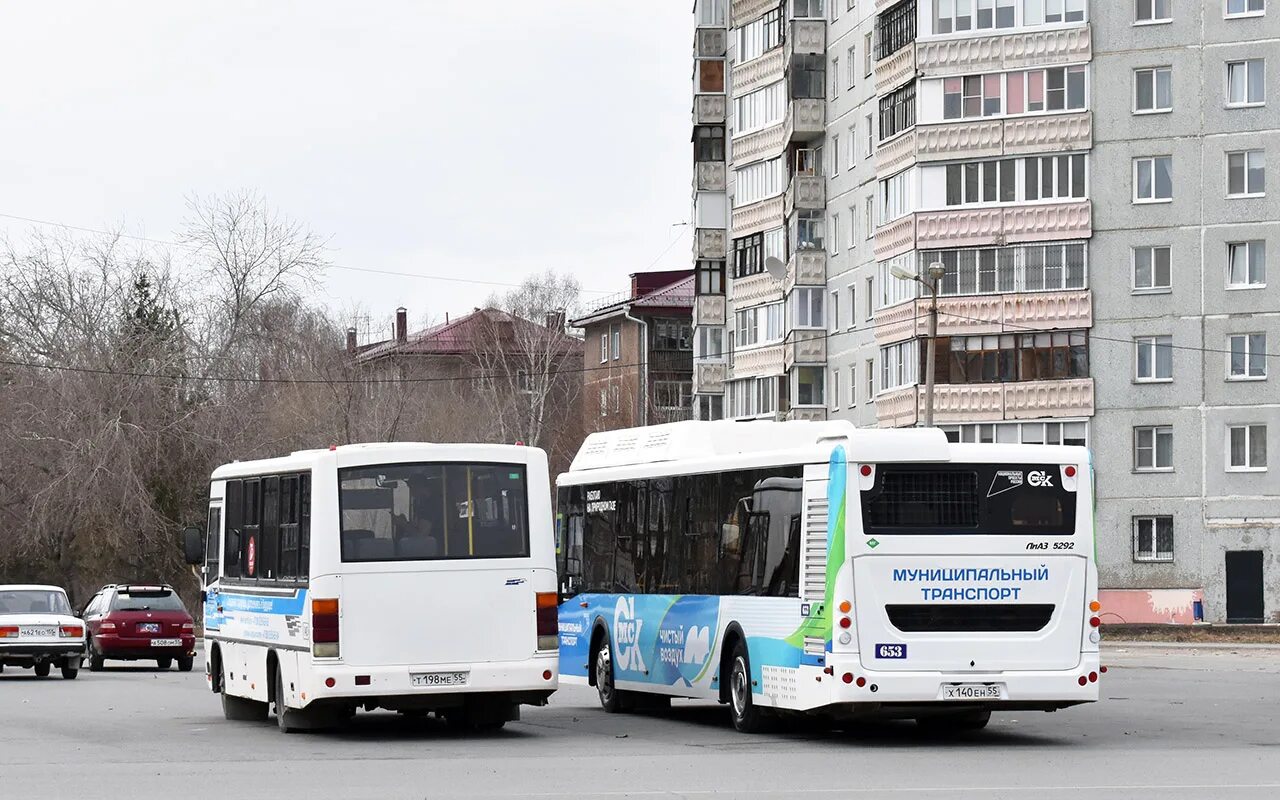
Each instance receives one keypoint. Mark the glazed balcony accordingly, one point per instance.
(710, 42)
(986, 138)
(758, 72)
(757, 217)
(806, 37)
(960, 227)
(709, 109)
(1010, 51)
(806, 120)
(806, 268)
(758, 144)
(805, 348)
(743, 11)
(987, 314)
(758, 361)
(987, 402)
(709, 309)
(710, 176)
(805, 192)
(709, 243)
(755, 289)
(709, 377)
(808, 413)
(895, 70)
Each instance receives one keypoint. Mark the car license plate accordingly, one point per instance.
(149, 627)
(439, 678)
(166, 643)
(41, 633)
(971, 691)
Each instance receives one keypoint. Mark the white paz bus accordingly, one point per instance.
(817, 567)
(411, 577)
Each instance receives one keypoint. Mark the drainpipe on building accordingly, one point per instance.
(644, 363)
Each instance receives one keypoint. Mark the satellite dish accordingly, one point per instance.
(776, 268)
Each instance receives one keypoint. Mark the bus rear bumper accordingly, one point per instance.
(1046, 690)
(529, 681)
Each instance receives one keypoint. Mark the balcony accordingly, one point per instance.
(710, 42)
(759, 72)
(808, 414)
(987, 402)
(960, 227)
(807, 37)
(987, 314)
(752, 146)
(758, 361)
(806, 268)
(805, 348)
(709, 243)
(709, 377)
(1010, 51)
(896, 154)
(805, 192)
(710, 176)
(755, 289)
(896, 70)
(666, 362)
(806, 120)
(743, 11)
(709, 109)
(758, 216)
(1008, 137)
(709, 309)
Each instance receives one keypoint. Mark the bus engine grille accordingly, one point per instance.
(917, 618)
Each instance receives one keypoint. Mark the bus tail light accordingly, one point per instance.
(324, 627)
(548, 621)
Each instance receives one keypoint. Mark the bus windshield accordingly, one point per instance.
(431, 511)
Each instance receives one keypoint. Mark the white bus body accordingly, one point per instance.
(878, 572)
(402, 576)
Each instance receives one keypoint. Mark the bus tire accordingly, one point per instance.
(954, 723)
(287, 720)
(240, 709)
(747, 717)
(612, 699)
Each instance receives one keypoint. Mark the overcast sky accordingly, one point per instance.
(465, 139)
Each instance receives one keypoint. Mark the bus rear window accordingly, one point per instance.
(968, 498)
(421, 512)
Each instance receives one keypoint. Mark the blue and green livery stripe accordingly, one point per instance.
(819, 622)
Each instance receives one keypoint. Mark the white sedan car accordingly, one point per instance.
(39, 630)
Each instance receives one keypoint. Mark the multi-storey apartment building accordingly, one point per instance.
(1091, 178)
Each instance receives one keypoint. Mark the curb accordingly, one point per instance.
(1190, 645)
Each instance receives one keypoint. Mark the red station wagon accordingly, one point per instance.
(139, 623)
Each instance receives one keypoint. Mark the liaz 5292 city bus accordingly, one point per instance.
(410, 577)
(816, 567)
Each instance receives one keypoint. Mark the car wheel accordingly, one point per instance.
(185, 663)
(612, 699)
(70, 672)
(747, 717)
(240, 709)
(43, 668)
(95, 658)
(164, 663)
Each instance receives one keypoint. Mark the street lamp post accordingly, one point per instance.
(935, 271)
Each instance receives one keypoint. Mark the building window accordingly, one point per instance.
(1149, 11)
(807, 230)
(871, 137)
(1246, 264)
(748, 255)
(869, 298)
(898, 111)
(1153, 179)
(1153, 538)
(1054, 178)
(851, 67)
(708, 143)
(835, 78)
(604, 348)
(871, 379)
(604, 402)
(1153, 448)
(616, 335)
(672, 334)
(835, 390)
(710, 277)
(896, 28)
(808, 9)
(759, 325)
(834, 153)
(895, 196)
(711, 75)
(1247, 356)
(853, 385)
(1153, 358)
(1036, 91)
(1246, 8)
(835, 310)
(710, 406)
(757, 181)
(711, 13)
(868, 55)
(1246, 173)
(835, 234)
(1075, 434)
(760, 36)
(708, 343)
(1247, 82)
(672, 395)
(806, 307)
(953, 16)
(808, 77)
(1151, 268)
(1009, 357)
(853, 307)
(1052, 12)
(775, 243)
(1048, 267)
(810, 390)
(986, 181)
(1246, 448)
(759, 109)
(1153, 90)
(899, 364)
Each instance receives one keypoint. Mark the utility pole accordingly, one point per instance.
(935, 272)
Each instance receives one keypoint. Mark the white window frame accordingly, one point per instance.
(1155, 344)
(803, 309)
(1156, 556)
(833, 311)
(1154, 288)
(853, 384)
(1247, 349)
(833, 389)
(871, 380)
(1250, 429)
(821, 374)
(1153, 20)
(851, 67)
(1246, 103)
(1153, 199)
(1156, 432)
(1248, 156)
(604, 348)
(1228, 14)
(853, 306)
(1155, 71)
(1251, 249)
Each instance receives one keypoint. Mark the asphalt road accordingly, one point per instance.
(1175, 724)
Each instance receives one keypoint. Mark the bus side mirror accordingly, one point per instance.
(193, 545)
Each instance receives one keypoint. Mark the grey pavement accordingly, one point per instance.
(1174, 724)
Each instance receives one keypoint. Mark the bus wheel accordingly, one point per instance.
(287, 719)
(954, 723)
(612, 700)
(239, 709)
(747, 718)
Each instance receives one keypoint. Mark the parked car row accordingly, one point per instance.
(127, 622)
